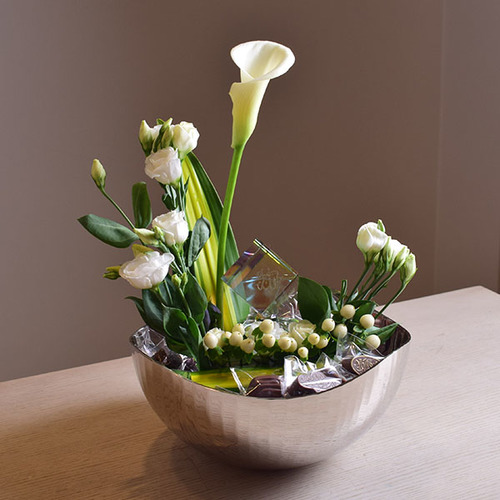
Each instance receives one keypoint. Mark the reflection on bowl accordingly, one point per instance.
(272, 433)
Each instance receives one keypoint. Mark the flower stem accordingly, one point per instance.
(224, 223)
(363, 274)
(106, 195)
(399, 292)
(382, 285)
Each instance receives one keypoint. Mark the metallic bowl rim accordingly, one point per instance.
(400, 328)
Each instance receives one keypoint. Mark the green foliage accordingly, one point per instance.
(108, 231)
(314, 303)
(199, 236)
(141, 205)
(196, 298)
(362, 307)
(204, 193)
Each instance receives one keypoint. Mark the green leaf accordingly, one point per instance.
(108, 231)
(140, 306)
(170, 294)
(199, 236)
(343, 291)
(332, 302)
(170, 198)
(196, 298)
(385, 332)
(314, 304)
(141, 205)
(153, 310)
(173, 319)
(367, 307)
(203, 200)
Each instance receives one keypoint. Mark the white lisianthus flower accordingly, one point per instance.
(259, 62)
(185, 138)
(147, 269)
(174, 226)
(301, 330)
(371, 240)
(164, 166)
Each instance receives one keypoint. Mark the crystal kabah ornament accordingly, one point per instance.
(267, 283)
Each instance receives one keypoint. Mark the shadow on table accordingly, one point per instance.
(194, 474)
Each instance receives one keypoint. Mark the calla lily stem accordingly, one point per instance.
(224, 223)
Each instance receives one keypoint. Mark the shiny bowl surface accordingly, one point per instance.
(272, 433)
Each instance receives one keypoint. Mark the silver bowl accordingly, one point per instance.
(272, 433)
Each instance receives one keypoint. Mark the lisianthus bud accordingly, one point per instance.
(146, 270)
(401, 257)
(147, 136)
(147, 236)
(174, 226)
(371, 240)
(185, 138)
(164, 166)
(112, 273)
(138, 249)
(408, 270)
(98, 174)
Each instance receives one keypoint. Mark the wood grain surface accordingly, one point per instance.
(88, 432)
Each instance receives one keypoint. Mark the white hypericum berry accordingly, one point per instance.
(267, 326)
(210, 340)
(313, 338)
(285, 342)
(348, 311)
(293, 345)
(268, 340)
(303, 352)
(340, 331)
(372, 342)
(328, 325)
(247, 346)
(238, 328)
(236, 339)
(224, 338)
(367, 321)
(323, 342)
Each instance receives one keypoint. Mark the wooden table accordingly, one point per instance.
(89, 433)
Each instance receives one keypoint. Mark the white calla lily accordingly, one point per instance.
(259, 62)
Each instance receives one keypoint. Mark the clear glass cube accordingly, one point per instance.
(267, 283)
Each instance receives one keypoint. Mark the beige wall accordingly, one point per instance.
(364, 126)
